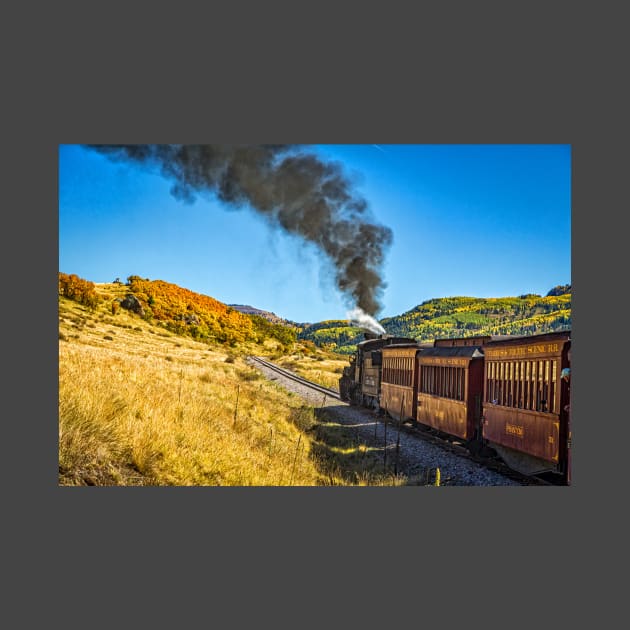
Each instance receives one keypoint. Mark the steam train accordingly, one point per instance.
(498, 395)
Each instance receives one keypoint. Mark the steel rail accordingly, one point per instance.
(272, 366)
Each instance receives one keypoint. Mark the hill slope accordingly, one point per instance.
(456, 317)
(178, 310)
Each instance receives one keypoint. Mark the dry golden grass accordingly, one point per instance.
(141, 406)
(323, 368)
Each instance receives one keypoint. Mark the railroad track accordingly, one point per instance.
(490, 463)
(332, 393)
(424, 434)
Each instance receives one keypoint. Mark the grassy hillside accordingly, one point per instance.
(140, 404)
(456, 317)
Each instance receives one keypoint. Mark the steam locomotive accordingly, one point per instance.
(501, 395)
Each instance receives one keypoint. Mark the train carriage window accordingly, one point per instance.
(546, 387)
(507, 384)
(519, 383)
(533, 386)
(553, 387)
(522, 386)
(541, 381)
(526, 382)
(542, 402)
(459, 384)
(456, 383)
(489, 382)
(499, 393)
(500, 384)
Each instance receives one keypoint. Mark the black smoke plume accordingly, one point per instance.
(295, 190)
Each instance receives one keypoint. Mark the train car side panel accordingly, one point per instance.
(449, 389)
(524, 401)
(523, 431)
(448, 416)
(398, 379)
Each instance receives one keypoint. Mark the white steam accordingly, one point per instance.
(359, 318)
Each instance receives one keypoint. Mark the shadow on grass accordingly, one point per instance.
(344, 457)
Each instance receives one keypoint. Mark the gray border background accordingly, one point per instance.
(383, 73)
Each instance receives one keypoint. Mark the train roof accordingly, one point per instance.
(561, 335)
(474, 340)
(379, 342)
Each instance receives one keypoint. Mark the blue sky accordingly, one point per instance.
(467, 220)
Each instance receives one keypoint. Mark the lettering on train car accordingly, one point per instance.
(442, 361)
(514, 429)
(525, 350)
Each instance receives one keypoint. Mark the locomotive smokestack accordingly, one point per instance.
(294, 190)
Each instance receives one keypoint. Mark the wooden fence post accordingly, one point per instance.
(295, 459)
(238, 391)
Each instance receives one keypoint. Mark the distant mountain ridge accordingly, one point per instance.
(451, 317)
(268, 315)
